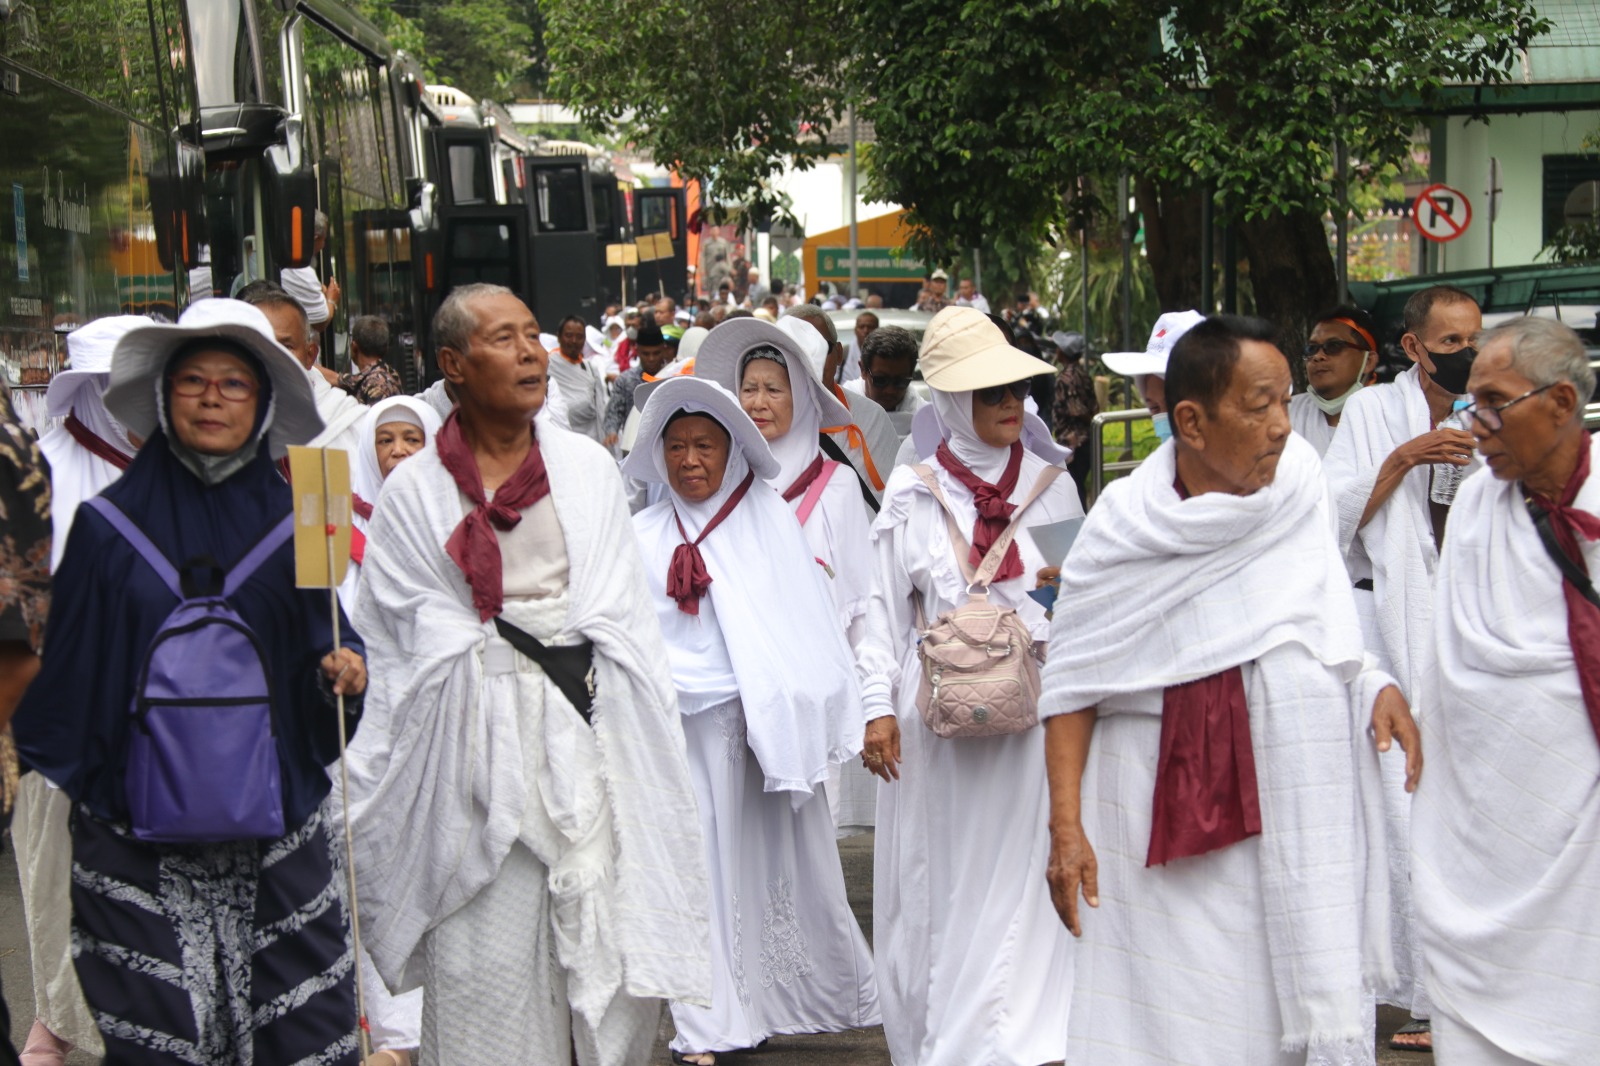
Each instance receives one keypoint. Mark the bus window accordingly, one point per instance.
(103, 50)
(560, 191)
(655, 213)
(603, 223)
(468, 184)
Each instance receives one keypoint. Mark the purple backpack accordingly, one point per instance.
(202, 761)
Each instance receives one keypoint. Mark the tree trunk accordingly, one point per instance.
(1291, 275)
(1172, 242)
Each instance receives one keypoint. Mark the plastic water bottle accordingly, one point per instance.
(1447, 476)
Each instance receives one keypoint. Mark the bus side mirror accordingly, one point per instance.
(289, 187)
(177, 205)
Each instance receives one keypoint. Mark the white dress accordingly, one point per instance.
(974, 966)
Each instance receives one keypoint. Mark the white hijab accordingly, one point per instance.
(799, 445)
(366, 479)
(954, 412)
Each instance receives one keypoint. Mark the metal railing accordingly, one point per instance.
(1098, 467)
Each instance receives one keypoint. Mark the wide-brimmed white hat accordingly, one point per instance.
(963, 351)
(700, 396)
(141, 358)
(89, 349)
(1153, 360)
(803, 349)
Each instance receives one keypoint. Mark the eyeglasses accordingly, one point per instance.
(235, 390)
(1489, 417)
(1333, 348)
(995, 395)
(888, 381)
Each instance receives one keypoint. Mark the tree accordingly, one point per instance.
(726, 91)
(482, 47)
(988, 112)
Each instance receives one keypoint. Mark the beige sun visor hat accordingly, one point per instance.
(1153, 360)
(962, 350)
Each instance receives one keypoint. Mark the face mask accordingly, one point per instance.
(1163, 426)
(1452, 369)
(633, 333)
(1335, 405)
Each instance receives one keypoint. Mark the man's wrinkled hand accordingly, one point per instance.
(1392, 721)
(1072, 869)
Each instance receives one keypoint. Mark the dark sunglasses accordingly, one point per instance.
(1334, 348)
(888, 381)
(995, 395)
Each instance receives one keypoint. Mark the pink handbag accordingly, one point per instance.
(980, 677)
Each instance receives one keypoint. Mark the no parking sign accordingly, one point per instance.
(1441, 213)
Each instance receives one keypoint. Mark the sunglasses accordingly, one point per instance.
(1332, 348)
(887, 381)
(995, 395)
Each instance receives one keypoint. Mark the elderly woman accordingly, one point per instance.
(207, 938)
(779, 386)
(974, 965)
(394, 430)
(1340, 355)
(739, 597)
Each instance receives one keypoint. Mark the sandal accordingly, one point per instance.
(1421, 1032)
(680, 1058)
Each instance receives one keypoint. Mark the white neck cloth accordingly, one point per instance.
(954, 412)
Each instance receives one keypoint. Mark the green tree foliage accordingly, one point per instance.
(482, 47)
(726, 90)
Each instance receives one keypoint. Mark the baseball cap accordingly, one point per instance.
(939, 275)
(1153, 360)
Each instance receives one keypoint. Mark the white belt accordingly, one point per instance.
(499, 657)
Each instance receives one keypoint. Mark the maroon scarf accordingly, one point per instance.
(1206, 796)
(803, 482)
(1583, 618)
(473, 545)
(95, 444)
(687, 579)
(361, 507)
(994, 508)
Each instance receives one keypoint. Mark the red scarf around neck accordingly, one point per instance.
(473, 545)
(687, 577)
(994, 507)
(1583, 618)
(803, 482)
(95, 444)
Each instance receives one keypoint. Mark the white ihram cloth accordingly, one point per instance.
(973, 964)
(341, 415)
(469, 751)
(1309, 421)
(762, 723)
(1261, 953)
(552, 413)
(1506, 841)
(583, 387)
(1396, 550)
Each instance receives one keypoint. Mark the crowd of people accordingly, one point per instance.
(642, 616)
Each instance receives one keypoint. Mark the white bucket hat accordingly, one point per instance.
(963, 351)
(697, 395)
(141, 358)
(802, 347)
(1153, 360)
(89, 349)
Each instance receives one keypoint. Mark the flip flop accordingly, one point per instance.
(1415, 1027)
(680, 1058)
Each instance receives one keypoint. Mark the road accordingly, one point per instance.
(859, 1048)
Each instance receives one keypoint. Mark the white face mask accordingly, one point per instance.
(1163, 426)
(1335, 405)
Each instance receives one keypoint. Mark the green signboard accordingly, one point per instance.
(873, 264)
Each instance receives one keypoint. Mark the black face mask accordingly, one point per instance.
(1452, 369)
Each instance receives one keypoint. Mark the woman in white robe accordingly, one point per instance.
(769, 370)
(973, 964)
(768, 694)
(394, 430)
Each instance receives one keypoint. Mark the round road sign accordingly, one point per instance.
(1441, 213)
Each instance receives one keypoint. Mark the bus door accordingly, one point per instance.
(566, 253)
(659, 229)
(612, 228)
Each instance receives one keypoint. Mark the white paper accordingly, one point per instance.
(1055, 539)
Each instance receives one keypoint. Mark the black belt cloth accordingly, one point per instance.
(571, 667)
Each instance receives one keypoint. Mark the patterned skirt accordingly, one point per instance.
(231, 954)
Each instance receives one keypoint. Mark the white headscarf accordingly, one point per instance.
(799, 445)
(954, 412)
(366, 479)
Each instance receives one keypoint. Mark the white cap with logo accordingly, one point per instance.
(1153, 360)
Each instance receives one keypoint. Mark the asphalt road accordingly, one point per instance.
(858, 1048)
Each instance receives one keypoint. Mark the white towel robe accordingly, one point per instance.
(1506, 830)
(1309, 421)
(973, 964)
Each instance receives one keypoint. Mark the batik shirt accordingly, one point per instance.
(24, 556)
(377, 382)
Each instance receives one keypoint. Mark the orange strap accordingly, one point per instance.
(857, 439)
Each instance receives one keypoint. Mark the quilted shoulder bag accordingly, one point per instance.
(980, 677)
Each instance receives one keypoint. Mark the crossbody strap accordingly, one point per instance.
(808, 502)
(997, 551)
(1569, 569)
(276, 538)
(142, 544)
(837, 454)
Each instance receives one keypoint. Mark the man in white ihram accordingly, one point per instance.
(1506, 831)
(1212, 792)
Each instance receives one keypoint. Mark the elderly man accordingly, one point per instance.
(967, 295)
(370, 377)
(664, 310)
(582, 383)
(933, 298)
(340, 412)
(547, 883)
(1393, 467)
(888, 366)
(866, 322)
(757, 292)
(1506, 833)
(1209, 780)
(870, 442)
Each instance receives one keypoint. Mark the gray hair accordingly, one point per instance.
(1545, 352)
(454, 323)
(371, 334)
(818, 318)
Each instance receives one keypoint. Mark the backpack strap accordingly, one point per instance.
(808, 502)
(142, 544)
(997, 551)
(276, 538)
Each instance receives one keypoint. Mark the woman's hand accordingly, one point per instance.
(880, 752)
(1049, 575)
(346, 672)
